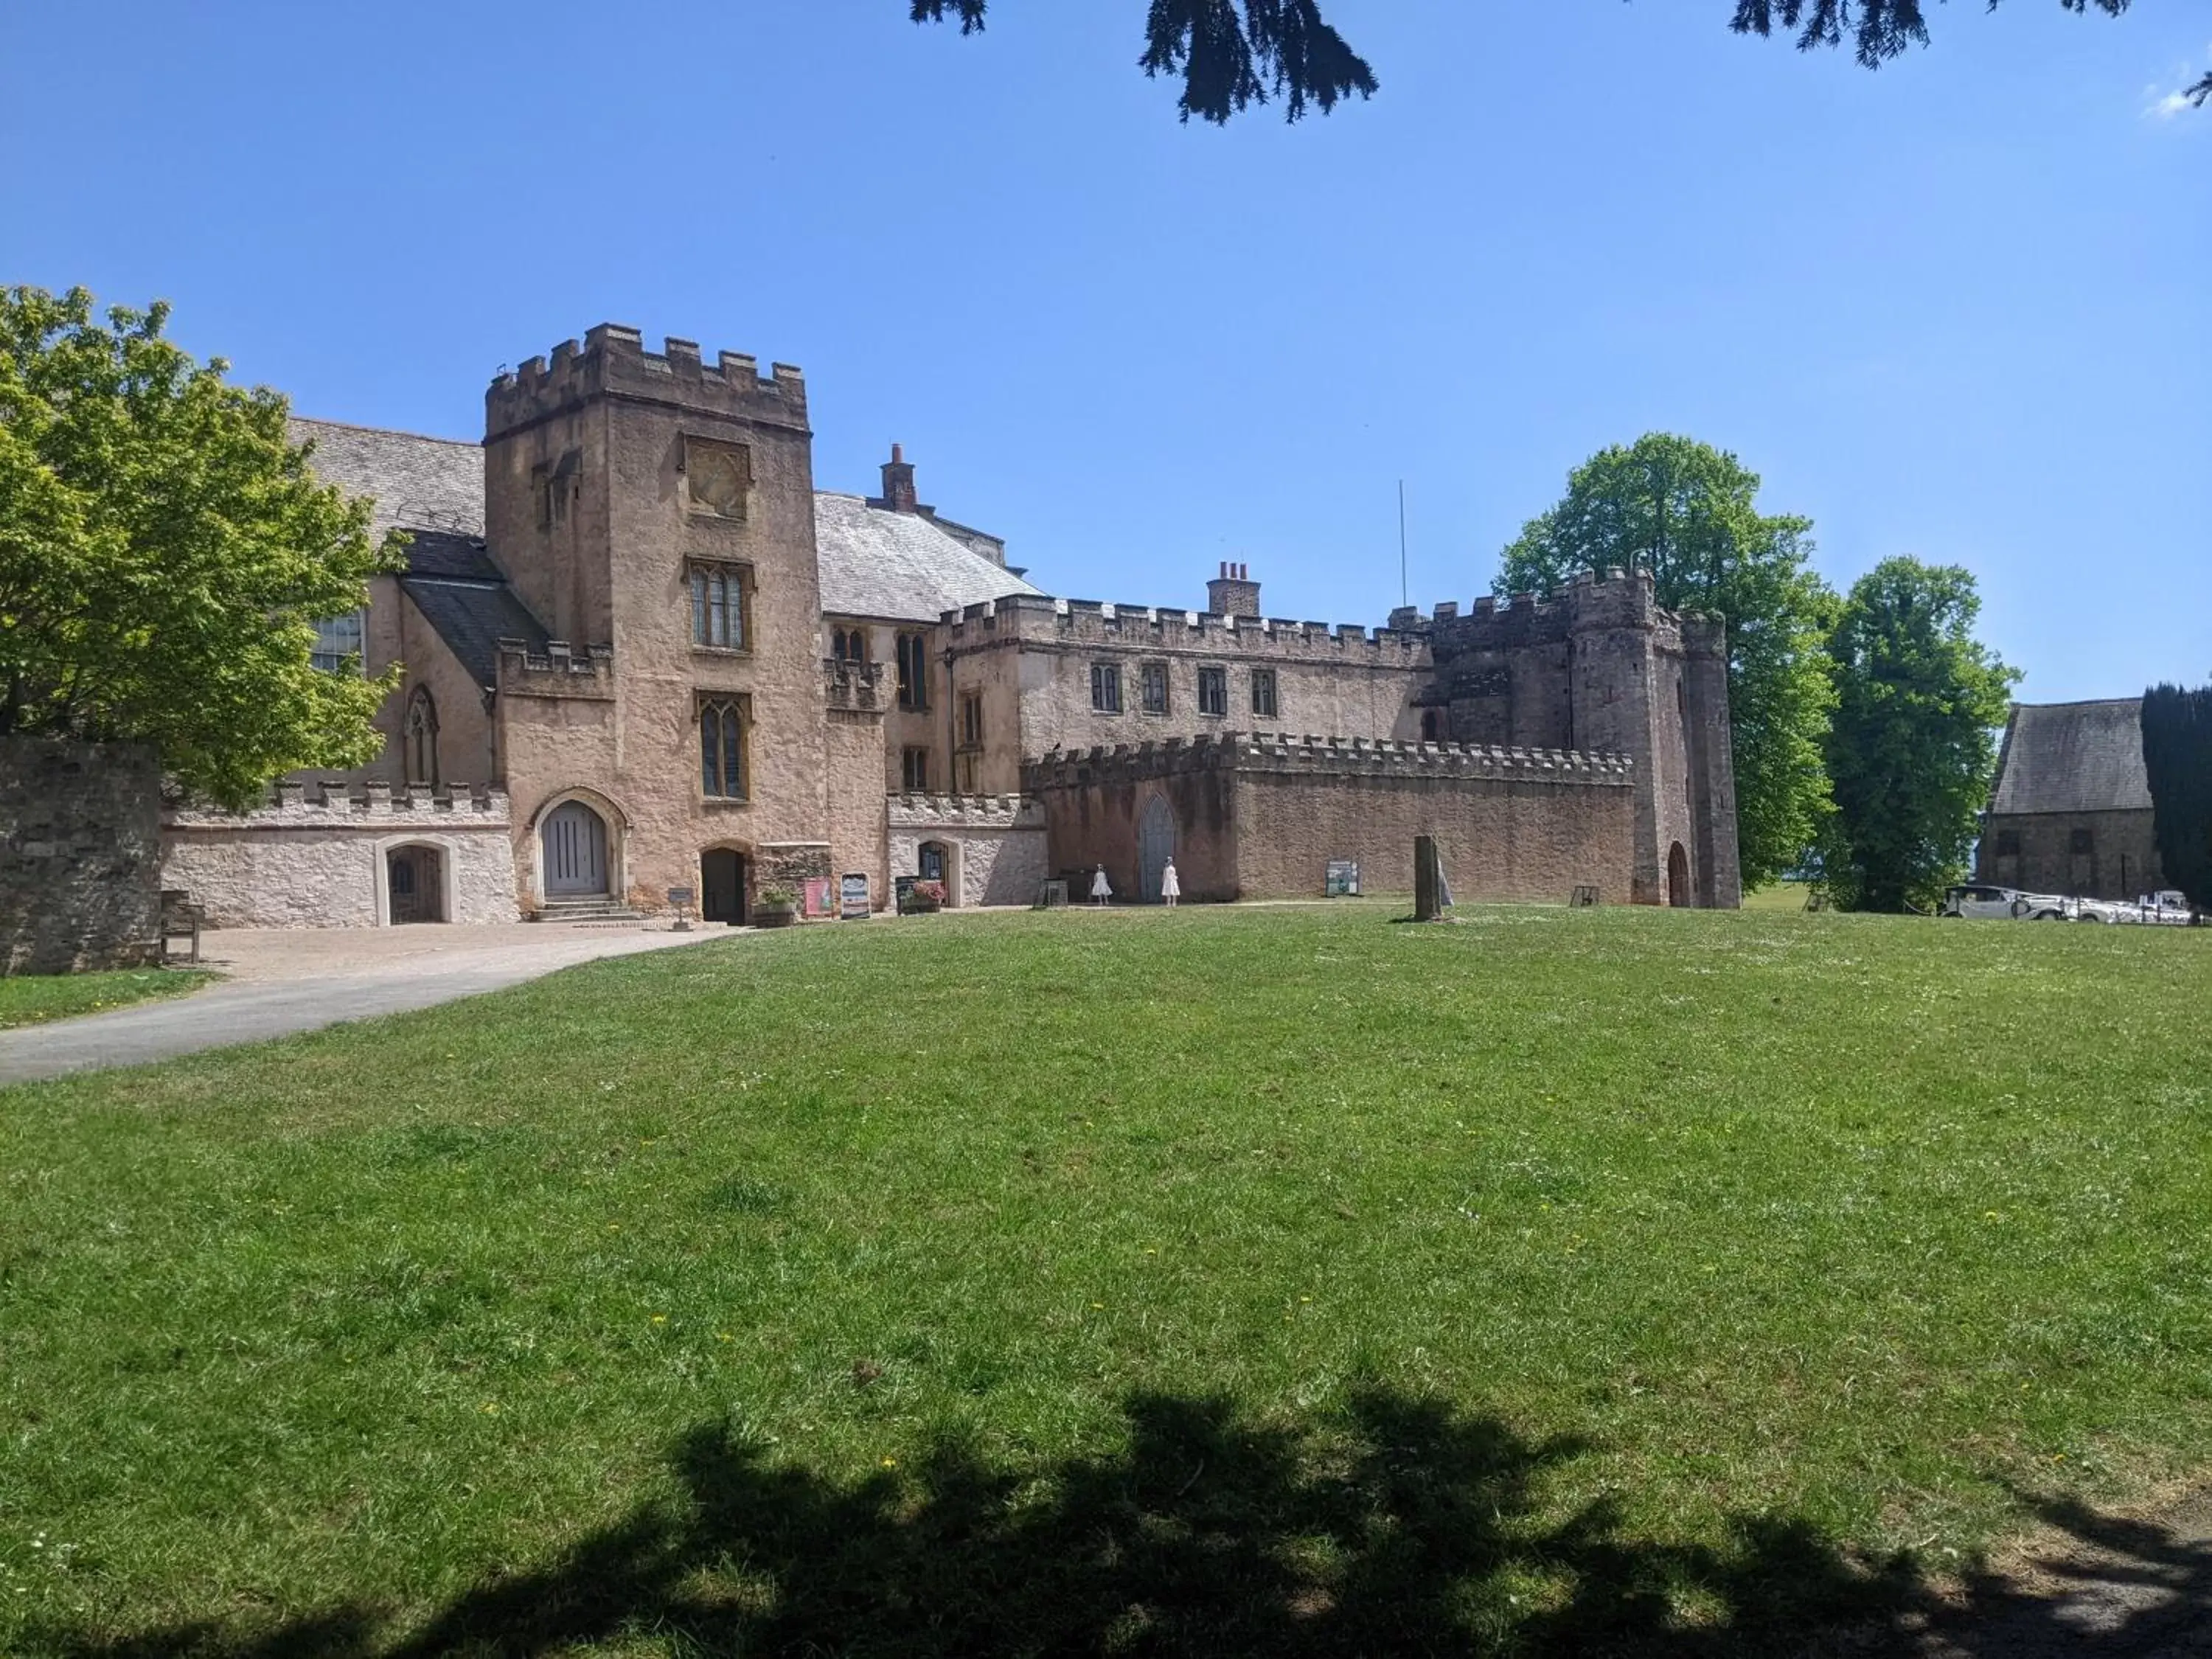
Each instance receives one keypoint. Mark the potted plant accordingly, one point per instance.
(925, 898)
(776, 906)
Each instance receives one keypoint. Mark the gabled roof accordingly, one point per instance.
(2073, 757)
(417, 483)
(463, 597)
(899, 566)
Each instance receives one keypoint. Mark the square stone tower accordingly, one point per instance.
(1599, 667)
(657, 514)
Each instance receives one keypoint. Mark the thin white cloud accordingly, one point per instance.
(2163, 104)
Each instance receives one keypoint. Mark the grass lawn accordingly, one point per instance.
(1275, 1281)
(32, 999)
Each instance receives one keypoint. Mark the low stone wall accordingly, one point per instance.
(995, 844)
(1260, 816)
(80, 855)
(322, 861)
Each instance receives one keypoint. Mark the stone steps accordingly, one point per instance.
(586, 910)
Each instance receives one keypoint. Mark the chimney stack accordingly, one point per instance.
(1233, 592)
(898, 483)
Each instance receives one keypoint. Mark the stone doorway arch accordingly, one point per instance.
(573, 848)
(1156, 840)
(1678, 876)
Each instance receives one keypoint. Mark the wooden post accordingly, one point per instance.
(1428, 885)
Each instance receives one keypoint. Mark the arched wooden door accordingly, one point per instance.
(574, 842)
(1678, 876)
(1155, 846)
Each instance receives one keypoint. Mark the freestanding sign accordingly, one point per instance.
(1343, 878)
(852, 896)
(819, 895)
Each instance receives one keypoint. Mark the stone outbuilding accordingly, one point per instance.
(2071, 811)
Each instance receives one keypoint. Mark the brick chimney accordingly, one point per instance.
(1233, 592)
(898, 483)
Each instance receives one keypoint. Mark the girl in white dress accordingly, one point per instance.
(1101, 891)
(1170, 885)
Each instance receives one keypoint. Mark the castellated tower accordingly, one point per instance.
(1599, 667)
(657, 514)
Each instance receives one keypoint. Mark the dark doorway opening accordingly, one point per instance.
(415, 877)
(722, 886)
(1678, 876)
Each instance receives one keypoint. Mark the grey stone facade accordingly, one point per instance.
(80, 856)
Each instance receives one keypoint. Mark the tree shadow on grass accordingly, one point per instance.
(1396, 1527)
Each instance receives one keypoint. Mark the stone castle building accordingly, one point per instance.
(2071, 811)
(644, 654)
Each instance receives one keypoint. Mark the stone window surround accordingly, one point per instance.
(738, 571)
(915, 759)
(1268, 707)
(1149, 676)
(449, 854)
(742, 703)
(1221, 672)
(1106, 688)
(971, 721)
(359, 617)
(913, 687)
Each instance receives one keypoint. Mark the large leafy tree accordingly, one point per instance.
(2177, 740)
(1912, 743)
(1231, 54)
(1688, 512)
(164, 554)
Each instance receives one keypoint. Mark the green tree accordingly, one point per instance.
(1231, 54)
(164, 554)
(2177, 740)
(1912, 743)
(1686, 512)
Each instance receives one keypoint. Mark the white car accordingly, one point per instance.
(1979, 902)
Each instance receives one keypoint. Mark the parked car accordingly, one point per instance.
(1979, 902)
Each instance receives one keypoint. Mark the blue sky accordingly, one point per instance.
(1959, 308)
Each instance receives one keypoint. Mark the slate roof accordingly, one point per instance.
(874, 563)
(472, 617)
(417, 483)
(898, 566)
(2073, 757)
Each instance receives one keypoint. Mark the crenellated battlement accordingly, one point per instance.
(1034, 619)
(929, 811)
(328, 803)
(559, 670)
(1282, 751)
(1613, 600)
(611, 359)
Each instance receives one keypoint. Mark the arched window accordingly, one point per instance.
(850, 645)
(420, 742)
(723, 722)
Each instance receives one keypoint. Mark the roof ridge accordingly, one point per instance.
(385, 431)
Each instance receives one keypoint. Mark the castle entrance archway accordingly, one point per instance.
(573, 841)
(722, 885)
(1155, 846)
(1678, 876)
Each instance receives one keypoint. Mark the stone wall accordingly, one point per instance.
(319, 859)
(1031, 659)
(1260, 817)
(2121, 860)
(80, 855)
(995, 845)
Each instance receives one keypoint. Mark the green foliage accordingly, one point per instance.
(32, 998)
(1912, 743)
(426, 1317)
(2177, 739)
(1229, 54)
(1878, 29)
(1684, 511)
(1234, 53)
(164, 554)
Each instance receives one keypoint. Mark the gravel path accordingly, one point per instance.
(283, 983)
